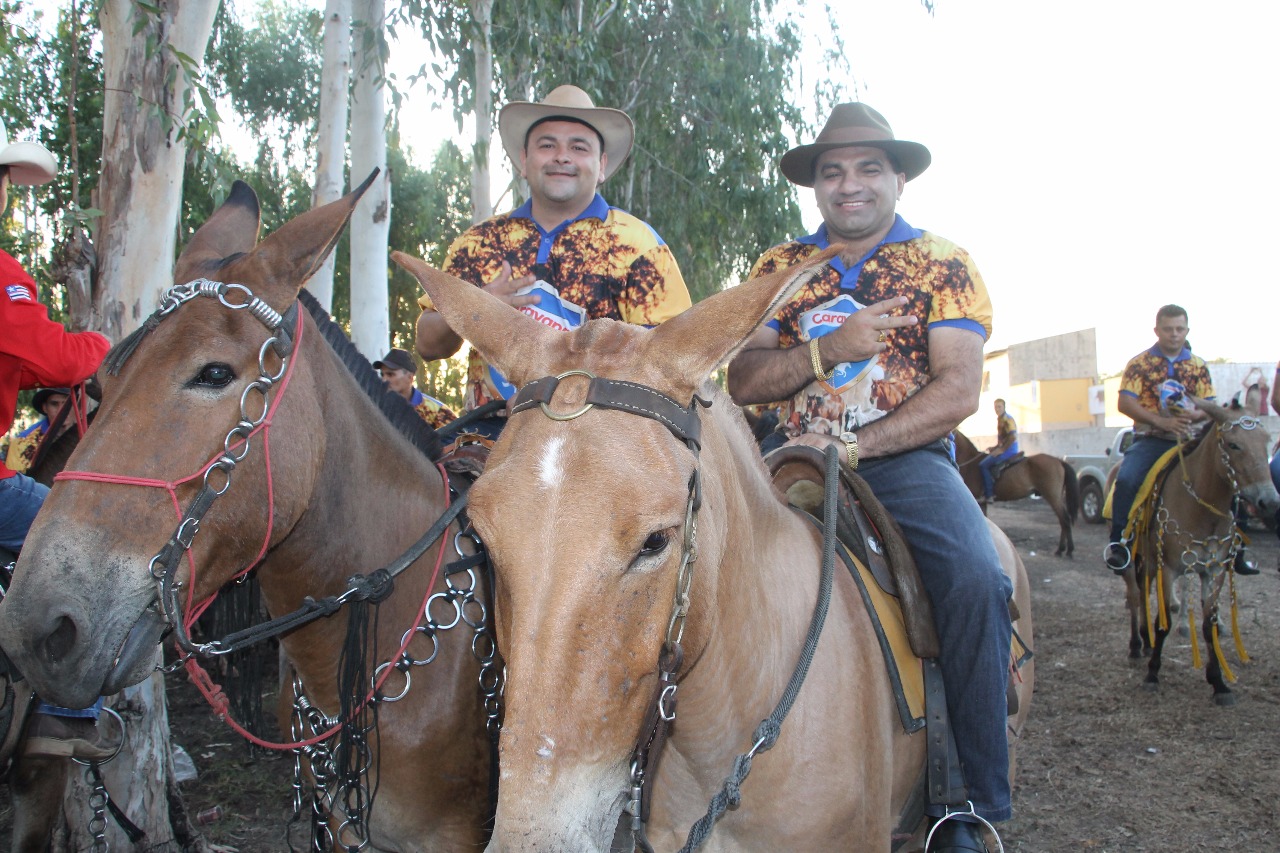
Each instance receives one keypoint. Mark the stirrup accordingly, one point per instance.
(1119, 565)
(968, 811)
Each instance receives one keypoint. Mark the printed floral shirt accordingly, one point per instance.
(1159, 383)
(1007, 427)
(435, 413)
(605, 263)
(23, 446)
(943, 286)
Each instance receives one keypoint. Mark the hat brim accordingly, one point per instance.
(30, 163)
(615, 126)
(797, 165)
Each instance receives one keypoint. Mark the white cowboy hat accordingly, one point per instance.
(29, 163)
(570, 103)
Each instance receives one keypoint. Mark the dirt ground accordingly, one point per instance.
(1103, 765)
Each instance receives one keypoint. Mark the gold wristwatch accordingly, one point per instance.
(850, 440)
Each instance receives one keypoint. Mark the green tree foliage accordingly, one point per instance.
(706, 83)
(429, 209)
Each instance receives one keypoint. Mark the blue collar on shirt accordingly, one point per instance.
(899, 232)
(598, 209)
(42, 425)
(416, 398)
(1182, 356)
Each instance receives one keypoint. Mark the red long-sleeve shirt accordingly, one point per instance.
(35, 351)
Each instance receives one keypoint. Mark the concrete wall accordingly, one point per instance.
(1070, 356)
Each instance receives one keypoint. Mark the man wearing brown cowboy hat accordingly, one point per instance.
(565, 256)
(891, 333)
(34, 351)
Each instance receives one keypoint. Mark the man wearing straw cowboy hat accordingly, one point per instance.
(565, 256)
(889, 336)
(35, 351)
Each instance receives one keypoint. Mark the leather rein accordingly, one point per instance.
(684, 423)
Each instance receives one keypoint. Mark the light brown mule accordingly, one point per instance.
(585, 519)
(348, 493)
(1037, 474)
(1192, 531)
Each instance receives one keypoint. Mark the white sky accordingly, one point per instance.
(1098, 158)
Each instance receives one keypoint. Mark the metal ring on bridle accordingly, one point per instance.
(586, 407)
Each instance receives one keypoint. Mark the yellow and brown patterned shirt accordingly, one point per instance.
(605, 263)
(1159, 382)
(23, 446)
(943, 286)
(435, 413)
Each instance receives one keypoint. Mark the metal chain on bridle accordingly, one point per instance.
(320, 731)
(347, 790)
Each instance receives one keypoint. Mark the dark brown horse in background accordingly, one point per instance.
(332, 485)
(1038, 474)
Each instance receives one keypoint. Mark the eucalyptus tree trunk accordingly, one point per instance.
(371, 221)
(140, 194)
(482, 45)
(331, 144)
(140, 189)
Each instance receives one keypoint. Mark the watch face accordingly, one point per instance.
(849, 436)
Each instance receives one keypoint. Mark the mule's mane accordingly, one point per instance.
(393, 407)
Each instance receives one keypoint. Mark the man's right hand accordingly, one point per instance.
(864, 333)
(1179, 425)
(504, 287)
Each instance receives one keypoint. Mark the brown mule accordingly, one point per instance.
(589, 515)
(328, 487)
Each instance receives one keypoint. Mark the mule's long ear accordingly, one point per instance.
(293, 252)
(510, 340)
(231, 229)
(710, 333)
(1218, 413)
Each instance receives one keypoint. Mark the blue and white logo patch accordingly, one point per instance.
(552, 312)
(823, 320)
(1174, 399)
(19, 293)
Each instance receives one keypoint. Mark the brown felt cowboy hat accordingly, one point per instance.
(29, 163)
(567, 103)
(854, 125)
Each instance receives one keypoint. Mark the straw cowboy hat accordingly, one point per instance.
(29, 163)
(568, 103)
(854, 125)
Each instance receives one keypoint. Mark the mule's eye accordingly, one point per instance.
(654, 544)
(214, 375)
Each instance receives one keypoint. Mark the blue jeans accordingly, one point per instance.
(1275, 481)
(961, 571)
(1138, 459)
(988, 477)
(20, 499)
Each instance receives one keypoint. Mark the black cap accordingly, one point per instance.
(397, 358)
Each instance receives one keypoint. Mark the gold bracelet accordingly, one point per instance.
(816, 360)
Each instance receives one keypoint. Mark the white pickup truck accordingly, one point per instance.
(1092, 472)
